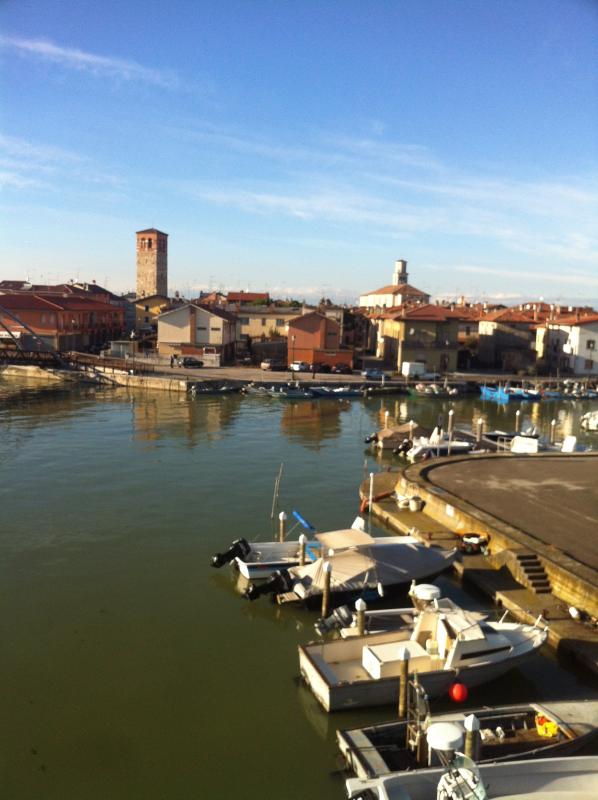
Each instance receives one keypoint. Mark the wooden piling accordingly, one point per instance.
(326, 590)
(302, 544)
(517, 421)
(282, 526)
(361, 608)
(403, 681)
(472, 736)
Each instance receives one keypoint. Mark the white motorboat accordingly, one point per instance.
(256, 560)
(370, 569)
(423, 595)
(440, 646)
(506, 733)
(572, 778)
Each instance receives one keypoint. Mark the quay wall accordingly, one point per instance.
(571, 581)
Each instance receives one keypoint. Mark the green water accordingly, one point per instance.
(129, 667)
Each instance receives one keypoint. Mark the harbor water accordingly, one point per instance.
(132, 670)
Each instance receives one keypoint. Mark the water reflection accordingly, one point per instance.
(312, 422)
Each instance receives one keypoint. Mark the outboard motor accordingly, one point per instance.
(341, 617)
(279, 582)
(240, 548)
(403, 448)
(373, 437)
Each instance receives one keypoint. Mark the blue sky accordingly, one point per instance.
(301, 146)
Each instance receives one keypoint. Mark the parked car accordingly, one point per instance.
(374, 374)
(299, 366)
(273, 364)
(188, 362)
(318, 366)
(342, 369)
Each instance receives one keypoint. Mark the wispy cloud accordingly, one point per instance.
(98, 65)
(530, 275)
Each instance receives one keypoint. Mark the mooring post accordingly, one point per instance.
(302, 543)
(403, 681)
(553, 431)
(451, 420)
(386, 413)
(411, 429)
(371, 499)
(326, 590)
(282, 526)
(480, 429)
(517, 421)
(360, 608)
(472, 736)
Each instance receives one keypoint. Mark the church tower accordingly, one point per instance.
(400, 276)
(152, 263)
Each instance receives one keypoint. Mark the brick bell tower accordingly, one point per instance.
(152, 263)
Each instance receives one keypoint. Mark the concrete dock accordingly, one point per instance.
(540, 515)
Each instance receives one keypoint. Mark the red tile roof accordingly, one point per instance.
(402, 289)
(249, 297)
(34, 301)
(424, 312)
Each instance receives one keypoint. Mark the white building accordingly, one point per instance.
(569, 344)
(196, 331)
(397, 293)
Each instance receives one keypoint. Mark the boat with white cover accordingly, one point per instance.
(506, 733)
(370, 569)
(440, 646)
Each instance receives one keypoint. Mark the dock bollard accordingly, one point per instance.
(361, 608)
(371, 500)
(553, 431)
(282, 526)
(386, 414)
(479, 429)
(472, 736)
(302, 543)
(326, 590)
(403, 681)
(517, 421)
(451, 415)
(411, 428)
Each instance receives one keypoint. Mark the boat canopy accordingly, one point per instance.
(344, 538)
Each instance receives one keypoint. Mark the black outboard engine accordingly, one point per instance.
(373, 437)
(240, 548)
(403, 448)
(279, 582)
(341, 617)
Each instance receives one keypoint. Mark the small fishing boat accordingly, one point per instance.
(495, 393)
(567, 778)
(197, 389)
(370, 569)
(256, 560)
(259, 391)
(507, 733)
(445, 447)
(395, 438)
(291, 393)
(440, 646)
(433, 390)
(336, 394)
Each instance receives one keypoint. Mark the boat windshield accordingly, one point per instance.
(461, 781)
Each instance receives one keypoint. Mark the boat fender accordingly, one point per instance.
(240, 548)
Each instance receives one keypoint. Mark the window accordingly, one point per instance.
(244, 320)
(201, 328)
(146, 308)
(263, 322)
(591, 344)
(146, 319)
(43, 318)
(589, 364)
(149, 244)
(280, 323)
(217, 330)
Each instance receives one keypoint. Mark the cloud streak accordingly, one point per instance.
(97, 65)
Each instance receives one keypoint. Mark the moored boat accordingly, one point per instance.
(506, 733)
(370, 569)
(363, 670)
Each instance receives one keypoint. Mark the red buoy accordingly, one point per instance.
(458, 692)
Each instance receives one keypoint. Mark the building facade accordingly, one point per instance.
(569, 345)
(152, 263)
(313, 337)
(197, 330)
(395, 294)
